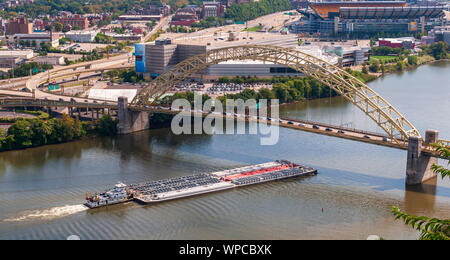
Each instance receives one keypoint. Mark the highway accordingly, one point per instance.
(32, 83)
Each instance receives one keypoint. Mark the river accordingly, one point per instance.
(41, 189)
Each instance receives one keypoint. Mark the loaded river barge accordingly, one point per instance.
(186, 186)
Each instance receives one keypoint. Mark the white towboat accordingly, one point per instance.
(120, 193)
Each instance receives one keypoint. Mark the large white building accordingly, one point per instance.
(35, 38)
(265, 69)
(81, 36)
(50, 60)
(11, 58)
(22, 54)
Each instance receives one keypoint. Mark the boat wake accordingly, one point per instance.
(48, 214)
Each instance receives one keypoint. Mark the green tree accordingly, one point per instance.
(22, 132)
(375, 66)
(107, 126)
(265, 93)
(430, 228)
(365, 70)
(400, 66)
(439, 50)
(41, 131)
(413, 60)
(58, 26)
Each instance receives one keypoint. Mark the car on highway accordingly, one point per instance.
(341, 132)
(366, 136)
(290, 122)
(301, 124)
(316, 127)
(269, 119)
(328, 129)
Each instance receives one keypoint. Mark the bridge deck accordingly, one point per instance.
(297, 124)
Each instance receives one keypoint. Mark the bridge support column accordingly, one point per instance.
(131, 121)
(418, 164)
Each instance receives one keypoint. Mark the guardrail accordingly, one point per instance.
(53, 103)
(335, 127)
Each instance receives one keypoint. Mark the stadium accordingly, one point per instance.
(337, 19)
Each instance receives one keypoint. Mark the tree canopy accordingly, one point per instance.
(250, 11)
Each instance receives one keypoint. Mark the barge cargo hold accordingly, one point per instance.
(187, 186)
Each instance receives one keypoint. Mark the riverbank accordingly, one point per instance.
(33, 132)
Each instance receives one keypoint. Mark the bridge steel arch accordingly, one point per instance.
(370, 102)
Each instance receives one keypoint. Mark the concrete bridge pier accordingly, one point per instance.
(131, 121)
(418, 164)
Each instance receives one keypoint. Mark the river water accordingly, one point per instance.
(41, 189)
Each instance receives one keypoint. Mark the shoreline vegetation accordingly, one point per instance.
(38, 131)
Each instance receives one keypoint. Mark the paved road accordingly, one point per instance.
(31, 83)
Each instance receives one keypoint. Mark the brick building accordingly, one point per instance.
(185, 16)
(19, 25)
(214, 9)
(75, 20)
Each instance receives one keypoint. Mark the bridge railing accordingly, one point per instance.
(349, 129)
(51, 103)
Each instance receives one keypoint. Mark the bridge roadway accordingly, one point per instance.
(297, 124)
(30, 82)
(33, 83)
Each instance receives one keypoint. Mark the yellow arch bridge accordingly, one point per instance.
(401, 133)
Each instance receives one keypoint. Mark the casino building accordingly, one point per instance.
(337, 19)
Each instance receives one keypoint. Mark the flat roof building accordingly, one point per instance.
(81, 36)
(185, 16)
(50, 60)
(139, 18)
(38, 38)
(76, 20)
(125, 37)
(10, 62)
(155, 58)
(22, 54)
(214, 9)
(349, 56)
(404, 42)
(19, 25)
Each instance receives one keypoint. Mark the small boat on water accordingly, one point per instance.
(119, 194)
